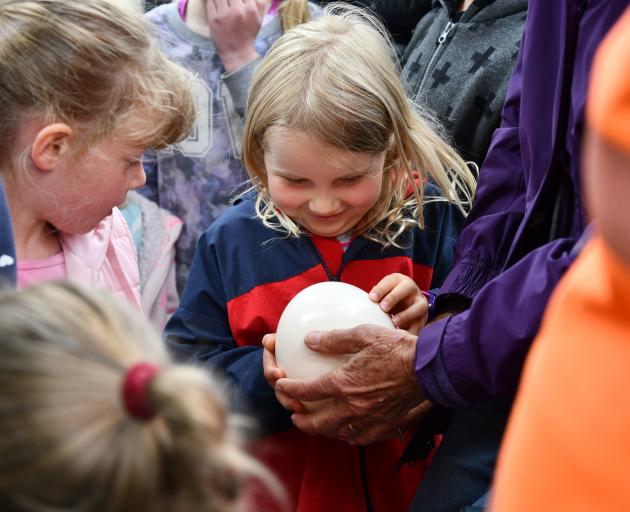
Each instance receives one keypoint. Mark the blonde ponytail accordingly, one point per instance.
(68, 439)
(293, 13)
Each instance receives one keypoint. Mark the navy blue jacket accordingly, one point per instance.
(244, 274)
(7, 248)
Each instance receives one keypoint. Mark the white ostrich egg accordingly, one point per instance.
(321, 307)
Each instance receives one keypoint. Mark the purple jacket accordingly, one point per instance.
(528, 213)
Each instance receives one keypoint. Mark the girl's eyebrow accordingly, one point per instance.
(290, 177)
(280, 172)
(368, 170)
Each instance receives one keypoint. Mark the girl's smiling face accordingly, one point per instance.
(326, 190)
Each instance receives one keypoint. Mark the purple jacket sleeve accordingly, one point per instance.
(498, 207)
(478, 354)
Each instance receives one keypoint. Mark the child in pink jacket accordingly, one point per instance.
(84, 91)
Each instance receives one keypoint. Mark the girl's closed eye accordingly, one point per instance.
(350, 180)
(133, 162)
(294, 181)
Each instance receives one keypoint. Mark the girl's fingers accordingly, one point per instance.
(269, 342)
(289, 403)
(384, 286)
(403, 293)
(271, 370)
(415, 326)
(410, 315)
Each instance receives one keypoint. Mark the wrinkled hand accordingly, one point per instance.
(400, 296)
(234, 25)
(273, 372)
(413, 418)
(375, 391)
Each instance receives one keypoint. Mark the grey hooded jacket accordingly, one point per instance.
(459, 67)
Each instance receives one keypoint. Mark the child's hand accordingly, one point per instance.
(234, 25)
(273, 373)
(400, 296)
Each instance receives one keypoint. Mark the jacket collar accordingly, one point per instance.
(91, 248)
(487, 9)
(86, 254)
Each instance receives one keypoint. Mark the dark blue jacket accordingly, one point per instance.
(243, 275)
(7, 248)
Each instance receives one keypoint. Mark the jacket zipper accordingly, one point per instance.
(369, 507)
(347, 257)
(329, 274)
(441, 40)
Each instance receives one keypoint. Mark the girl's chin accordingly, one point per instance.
(326, 233)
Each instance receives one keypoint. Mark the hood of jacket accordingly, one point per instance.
(483, 11)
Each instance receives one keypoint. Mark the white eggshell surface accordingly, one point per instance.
(321, 307)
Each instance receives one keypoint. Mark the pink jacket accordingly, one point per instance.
(105, 258)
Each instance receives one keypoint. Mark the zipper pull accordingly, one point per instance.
(445, 32)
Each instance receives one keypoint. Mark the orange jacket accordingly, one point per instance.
(568, 441)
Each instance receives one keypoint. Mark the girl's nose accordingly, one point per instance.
(324, 204)
(139, 178)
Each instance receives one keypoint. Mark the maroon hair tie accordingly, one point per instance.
(135, 390)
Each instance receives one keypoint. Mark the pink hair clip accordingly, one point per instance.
(134, 390)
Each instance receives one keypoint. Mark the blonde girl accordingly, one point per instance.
(221, 41)
(350, 184)
(83, 92)
(96, 418)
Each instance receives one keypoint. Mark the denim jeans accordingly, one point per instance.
(461, 472)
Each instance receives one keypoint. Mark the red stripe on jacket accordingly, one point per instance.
(257, 312)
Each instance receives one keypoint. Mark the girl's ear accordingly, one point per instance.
(50, 144)
(392, 165)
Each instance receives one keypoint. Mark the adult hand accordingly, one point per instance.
(373, 395)
(273, 372)
(400, 296)
(234, 25)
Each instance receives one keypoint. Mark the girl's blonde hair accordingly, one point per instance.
(68, 442)
(93, 65)
(335, 79)
(293, 13)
